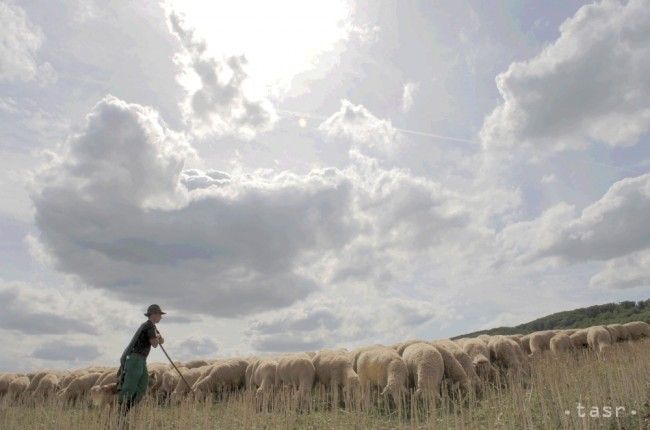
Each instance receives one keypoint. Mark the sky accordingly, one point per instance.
(294, 175)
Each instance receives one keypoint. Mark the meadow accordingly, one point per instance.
(569, 391)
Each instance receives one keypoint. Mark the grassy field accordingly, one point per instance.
(546, 399)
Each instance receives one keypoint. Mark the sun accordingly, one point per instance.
(280, 38)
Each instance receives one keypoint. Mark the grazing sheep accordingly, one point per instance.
(17, 387)
(34, 379)
(263, 375)
(400, 347)
(108, 377)
(5, 380)
(168, 382)
(560, 343)
(383, 367)
(71, 376)
(190, 376)
(524, 342)
(296, 371)
(475, 347)
(334, 370)
(195, 363)
(599, 339)
(579, 339)
(454, 372)
(507, 355)
(358, 351)
(47, 386)
(540, 341)
(425, 368)
(78, 387)
(619, 332)
(485, 338)
(463, 359)
(480, 355)
(637, 329)
(103, 395)
(227, 374)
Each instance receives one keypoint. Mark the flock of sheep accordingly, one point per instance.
(426, 367)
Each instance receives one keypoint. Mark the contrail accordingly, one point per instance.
(401, 130)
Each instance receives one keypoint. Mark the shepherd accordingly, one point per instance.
(133, 376)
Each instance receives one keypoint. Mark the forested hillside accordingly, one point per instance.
(583, 317)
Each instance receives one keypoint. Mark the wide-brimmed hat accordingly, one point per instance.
(154, 309)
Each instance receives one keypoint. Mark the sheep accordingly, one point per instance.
(227, 374)
(400, 347)
(579, 339)
(618, 332)
(168, 382)
(103, 395)
(358, 351)
(599, 339)
(524, 342)
(560, 343)
(263, 375)
(5, 380)
(78, 387)
(296, 371)
(637, 329)
(34, 379)
(506, 354)
(480, 355)
(540, 341)
(71, 376)
(454, 372)
(425, 369)
(195, 363)
(334, 370)
(47, 386)
(184, 384)
(382, 366)
(17, 387)
(485, 338)
(463, 359)
(108, 377)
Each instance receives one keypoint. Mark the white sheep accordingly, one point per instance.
(560, 343)
(78, 387)
(506, 354)
(296, 371)
(425, 369)
(480, 355)
(463, 359)
(17, 387)
(541, 341)
(47, 386)
(579, 339)
(334, 371)
(5, 380)
(638, 329)
(599, 339)
(184, 384)
(383, 367)
(226, 374)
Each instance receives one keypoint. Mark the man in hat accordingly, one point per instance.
(133, 376)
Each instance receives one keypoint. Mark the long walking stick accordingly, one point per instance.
(172, 363)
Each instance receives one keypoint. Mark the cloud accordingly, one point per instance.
(218, 101)
(113, 211)
(612, 229)
(197, 347)
(66, 351)
(589, 85)
(408, 94)
(118, 210)
(361, 127)
(326, 322)
(31, 312)
(632, 270)
(20, 40)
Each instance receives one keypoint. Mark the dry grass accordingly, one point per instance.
(538, 401)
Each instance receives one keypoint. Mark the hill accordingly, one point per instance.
(609, 313)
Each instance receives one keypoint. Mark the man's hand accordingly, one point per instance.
(161, 340)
